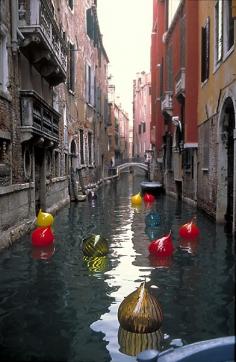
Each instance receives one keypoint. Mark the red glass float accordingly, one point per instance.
(42, 236)
(149, 198)
(162, 247)
(43, 252)
(189, 230)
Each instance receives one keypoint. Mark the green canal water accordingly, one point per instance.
(61, 307)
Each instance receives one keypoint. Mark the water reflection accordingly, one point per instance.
(65, 308)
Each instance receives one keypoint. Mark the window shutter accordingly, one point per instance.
(207, 48)
(203, 55)
(92, 89)
(89, 18)
(87, 83)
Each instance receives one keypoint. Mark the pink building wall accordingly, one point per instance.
(142, 113)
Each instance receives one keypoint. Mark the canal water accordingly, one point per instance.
(57, 306)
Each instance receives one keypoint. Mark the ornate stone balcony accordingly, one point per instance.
(38, 120)
(43, 43)
(180, 84)
(166, 104)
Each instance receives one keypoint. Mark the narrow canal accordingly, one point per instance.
(64, 308)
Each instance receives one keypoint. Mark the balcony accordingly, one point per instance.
(166, 104)
(43, 44)
(180, 85)
(38, 120)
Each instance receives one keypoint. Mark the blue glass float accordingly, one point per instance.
(153, 219)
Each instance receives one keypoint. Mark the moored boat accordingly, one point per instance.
(214, 350)
(153, 187)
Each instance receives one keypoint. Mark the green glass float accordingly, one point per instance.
(97, 264)
(134, 343)
(95, 245)
(140, 312)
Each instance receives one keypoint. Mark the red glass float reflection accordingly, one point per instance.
(42, 236)
(189, 230)
(43, 252)
(190, 245)
(160, 261)
(162, 247)
(149, 198)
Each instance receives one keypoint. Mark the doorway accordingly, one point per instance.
(39, 179)
(226, 186)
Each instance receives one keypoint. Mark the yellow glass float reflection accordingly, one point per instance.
(140, 311)
(97, 264)
(95, 245)
(44, 219)
(136, 199)
(134, 343)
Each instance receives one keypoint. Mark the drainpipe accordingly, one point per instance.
(14, 12)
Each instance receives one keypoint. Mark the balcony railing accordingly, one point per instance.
(43, 43)
(38, 119)
(180, 83)
(166, 104)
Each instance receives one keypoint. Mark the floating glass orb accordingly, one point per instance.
(148, 198)
(153, 219)
(44, 219)
(189, 230)
(95, 245)
(140, 311)
(42, 236)
(133, 343)
(136, 199)
(162, 247)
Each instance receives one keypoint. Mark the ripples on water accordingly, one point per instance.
(64, 308)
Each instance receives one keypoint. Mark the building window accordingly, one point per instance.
(139, 129)
(229, 25)
(204, 135)
(81, 139)
(169, 65)
(3, 62)
(56, 165)
(90, 148)
(66, 164)
(89, 84)
(71, 83)
(144, 127)
(205, 51)
(219, 29)
(71, 4)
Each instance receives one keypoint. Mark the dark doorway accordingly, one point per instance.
(228, 129)
(39, 155)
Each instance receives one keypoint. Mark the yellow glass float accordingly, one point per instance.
(134, 343)
(136, 199)
(96, 264)
(140, 311)
(44, 219)
(95, 245)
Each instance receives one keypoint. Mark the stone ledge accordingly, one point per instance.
(8, 237)
(14, 188)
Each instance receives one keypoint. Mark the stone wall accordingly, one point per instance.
(57, 191)
(207, 176)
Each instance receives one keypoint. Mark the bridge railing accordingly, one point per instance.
(128, 160)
